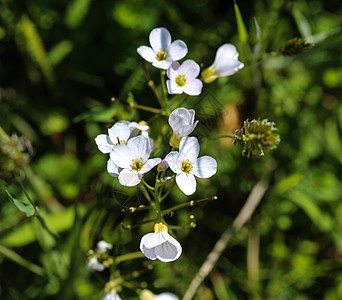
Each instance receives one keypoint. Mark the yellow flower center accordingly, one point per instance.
(137, 164)
(161, 55)
(120, 142)
(158, 227)
(186, 166)
(181, 80)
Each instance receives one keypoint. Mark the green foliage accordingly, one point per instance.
(86, 52)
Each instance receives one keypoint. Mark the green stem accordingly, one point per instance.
(129, 227)
(151, 84)
(157, 197)
(147, 185)
(128, 256)
(164, 90)
(190, 203)
(138, 106)
(133, 209)
(168, 191)
(21, 261)
(39, 217)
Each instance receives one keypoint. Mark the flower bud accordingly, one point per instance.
(257, 137)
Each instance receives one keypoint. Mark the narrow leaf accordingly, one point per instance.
(243, 35)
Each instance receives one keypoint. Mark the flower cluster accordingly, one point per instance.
(182, 78)
(99, 259)
(257, 136)
(130, 159)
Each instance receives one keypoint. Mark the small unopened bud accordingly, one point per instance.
(294, 46)
(163, 165)
(257, 137)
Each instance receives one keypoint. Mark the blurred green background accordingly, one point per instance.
(60, 64)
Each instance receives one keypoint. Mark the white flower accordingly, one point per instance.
(182, 123)
(103, 246)
(186, 164)
(95, 265)
(226, 63)
(160, 245)
(148, 295)
(111, 296)
(183, 78)
(163, 52)
(134, 160)
(118, 134)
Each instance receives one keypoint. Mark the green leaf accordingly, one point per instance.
(26, 208)
(302, 23)
(243, 35)
(60, 51)
(76, 12)
(257, 46)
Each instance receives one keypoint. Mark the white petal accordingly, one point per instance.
(119, 133)
(187, 183)
(181, 117)
(121, 156)
(129, 178)
(138, 126)
(147, 53)
(193, 87)
(227, 67)
(160, 38)
(173, 88)
(174, 159)
(169, 251)
(163, 64)
(190, 68)
(112, 168)
(226, 51)
(177, 50)
(103, 246)
(140, 147)
(173, 71)
(204, 167)
(149, 164)
(153, 240)
(189, 148)
(186, 129)
(166, 296)
(104, 143)
(94, 265)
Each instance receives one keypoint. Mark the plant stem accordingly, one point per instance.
(138, 106)
(128, 256)
(21, 261)
(164, 90)
(150, 83)
(157, 197)
(147, 185)
(168, 191)
(186, 204)
(244, 215)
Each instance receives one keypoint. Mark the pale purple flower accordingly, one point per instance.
(183, 78)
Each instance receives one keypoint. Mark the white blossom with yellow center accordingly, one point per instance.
(162, 52)
(186, 164)
(183, 78)
(182, 122)
(226, 63)
(160, 245)
(134, 160)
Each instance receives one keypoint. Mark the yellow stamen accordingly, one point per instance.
(180, 80)
(161, 55)
(137, 164)
(158, 227)
(186, 166)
